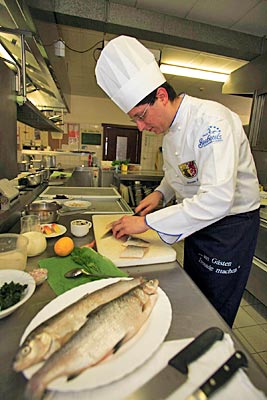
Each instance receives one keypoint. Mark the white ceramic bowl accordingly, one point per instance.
(80, 227)
(8, 275)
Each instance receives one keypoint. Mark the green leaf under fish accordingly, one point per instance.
(84, 257)
(94, 262)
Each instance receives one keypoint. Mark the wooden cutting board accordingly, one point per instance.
(158, 251)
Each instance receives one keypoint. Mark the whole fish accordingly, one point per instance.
(49, 336)
(104, 332)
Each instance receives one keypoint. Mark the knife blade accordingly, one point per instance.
(220, 377)
(109, 232)
(175, 373)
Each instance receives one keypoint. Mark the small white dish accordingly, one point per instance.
(62, 228)
(80, 227)
(9, 275)
(77, 204)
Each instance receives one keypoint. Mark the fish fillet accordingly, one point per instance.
(48, 337)
(104, 332)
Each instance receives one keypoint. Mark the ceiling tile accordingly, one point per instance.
(176, 8)
(255, 22)
(220, 13)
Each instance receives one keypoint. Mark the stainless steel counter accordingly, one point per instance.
(192, 314)
(149, 176)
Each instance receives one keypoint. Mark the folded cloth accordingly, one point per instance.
(239, 387)
(60, 174)
(58, 266)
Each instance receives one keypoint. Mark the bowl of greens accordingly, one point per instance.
(16, 287)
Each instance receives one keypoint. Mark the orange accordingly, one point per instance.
(64, 246)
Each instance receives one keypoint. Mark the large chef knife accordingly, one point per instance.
(220, 377)
(175, 373)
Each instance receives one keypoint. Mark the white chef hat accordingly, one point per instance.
(127, 71)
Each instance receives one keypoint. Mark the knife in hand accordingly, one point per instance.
(220, 377)
(175, 373)
(109, 232)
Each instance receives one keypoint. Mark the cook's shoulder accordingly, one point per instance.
(208, 110)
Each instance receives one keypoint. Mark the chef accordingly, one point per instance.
(208, 169)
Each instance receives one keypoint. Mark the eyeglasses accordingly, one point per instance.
(141, 117)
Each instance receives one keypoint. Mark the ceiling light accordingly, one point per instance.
(193, 73)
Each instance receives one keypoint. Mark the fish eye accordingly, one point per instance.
(26, 350)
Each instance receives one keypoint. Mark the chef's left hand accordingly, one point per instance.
(128, 225)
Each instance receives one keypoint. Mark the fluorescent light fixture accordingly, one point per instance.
(193, 73)
(5, 54)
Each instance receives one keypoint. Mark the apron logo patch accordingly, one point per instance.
(212, 135)
(188, 169)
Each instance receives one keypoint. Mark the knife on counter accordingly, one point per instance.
(220, 377)
(175, 373)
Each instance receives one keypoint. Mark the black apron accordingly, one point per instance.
(218, 258)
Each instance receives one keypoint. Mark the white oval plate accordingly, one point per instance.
(8, 275)
(77, 204)
(63, 229)
(130, 356)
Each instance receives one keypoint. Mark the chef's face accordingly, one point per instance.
(150, 117)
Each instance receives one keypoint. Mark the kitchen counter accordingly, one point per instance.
(192, 314)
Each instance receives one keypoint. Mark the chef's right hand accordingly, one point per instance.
(149, 203)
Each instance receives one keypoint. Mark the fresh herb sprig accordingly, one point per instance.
(94, 262)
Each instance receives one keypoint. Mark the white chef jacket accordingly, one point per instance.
(208, 167)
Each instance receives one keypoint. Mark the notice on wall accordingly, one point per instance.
(121, 148)
(74, 136)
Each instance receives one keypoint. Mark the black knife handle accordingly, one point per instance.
(224, 373)
(195, 349)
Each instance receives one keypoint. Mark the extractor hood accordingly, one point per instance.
(28, 114)
(39, 89)
(248, 79)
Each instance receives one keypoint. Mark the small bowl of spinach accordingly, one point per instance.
(16, 287)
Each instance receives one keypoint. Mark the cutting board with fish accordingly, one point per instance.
(157, 251)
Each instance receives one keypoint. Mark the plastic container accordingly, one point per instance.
(13, 251)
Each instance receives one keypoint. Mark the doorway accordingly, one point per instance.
(121, 142)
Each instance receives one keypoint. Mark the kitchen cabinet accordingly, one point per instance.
(121, 143)
(257, 281)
